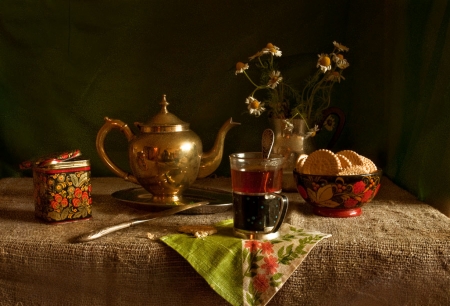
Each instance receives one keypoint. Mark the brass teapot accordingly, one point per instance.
(166, 157)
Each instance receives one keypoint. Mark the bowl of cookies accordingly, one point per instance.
(336, 184)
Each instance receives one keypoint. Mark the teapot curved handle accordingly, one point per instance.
(340, 114)
(101, 135)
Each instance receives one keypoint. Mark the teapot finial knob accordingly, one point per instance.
(164, 104)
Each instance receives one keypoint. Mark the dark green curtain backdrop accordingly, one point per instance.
(64, 65)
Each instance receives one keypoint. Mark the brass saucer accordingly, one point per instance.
(219, 200)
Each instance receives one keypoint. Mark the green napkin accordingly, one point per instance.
(245, 272)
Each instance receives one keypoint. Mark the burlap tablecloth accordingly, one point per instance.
(396, 253)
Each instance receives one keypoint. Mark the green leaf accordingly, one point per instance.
(289, 249)
(65, 213)
(281, 252)
(254, 266)
(54, 215)
(305, 240)
(275, 241)
(300, 231)
(299, 248)
(275, 284)
(84, 213)
(277, 276)
(284, 261)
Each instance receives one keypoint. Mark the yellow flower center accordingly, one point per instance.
(239, 66)
(335, 73)
(255, 104)
(269, 46)
(325, 61)
(340, 56)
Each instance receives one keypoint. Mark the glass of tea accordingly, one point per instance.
(259, 208)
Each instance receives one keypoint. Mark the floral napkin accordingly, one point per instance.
(245, 272)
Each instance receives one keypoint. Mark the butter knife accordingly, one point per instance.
(95, 234)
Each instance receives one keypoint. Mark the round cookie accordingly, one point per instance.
(300, 162)
(369, 164)
(354, 170)
(352, 156)
(345, 162)
(322, 162)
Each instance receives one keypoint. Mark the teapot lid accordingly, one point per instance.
(164, 121)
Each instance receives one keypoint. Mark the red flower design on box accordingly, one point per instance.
(63, 196)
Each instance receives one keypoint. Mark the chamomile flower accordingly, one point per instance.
(340, 47)
(340, 61)
(275, 79)
(323, 62)
(272, 49)
(254, 106)
(288, 126)
(312, 132)
(240, 67)
(333, 76)
(257, 54)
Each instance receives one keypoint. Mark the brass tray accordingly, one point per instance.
(219, 200)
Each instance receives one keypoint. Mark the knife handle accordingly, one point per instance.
(95, 234)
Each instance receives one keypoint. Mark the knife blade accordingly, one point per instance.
(95, 234)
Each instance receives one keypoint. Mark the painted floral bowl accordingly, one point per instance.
(338, 195)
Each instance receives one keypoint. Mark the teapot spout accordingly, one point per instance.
(211, 159)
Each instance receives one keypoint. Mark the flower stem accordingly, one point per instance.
(306, 121)
(315, 88)
(251, 81)
(262, 64)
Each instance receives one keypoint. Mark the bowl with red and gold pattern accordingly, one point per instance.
(337, 185)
